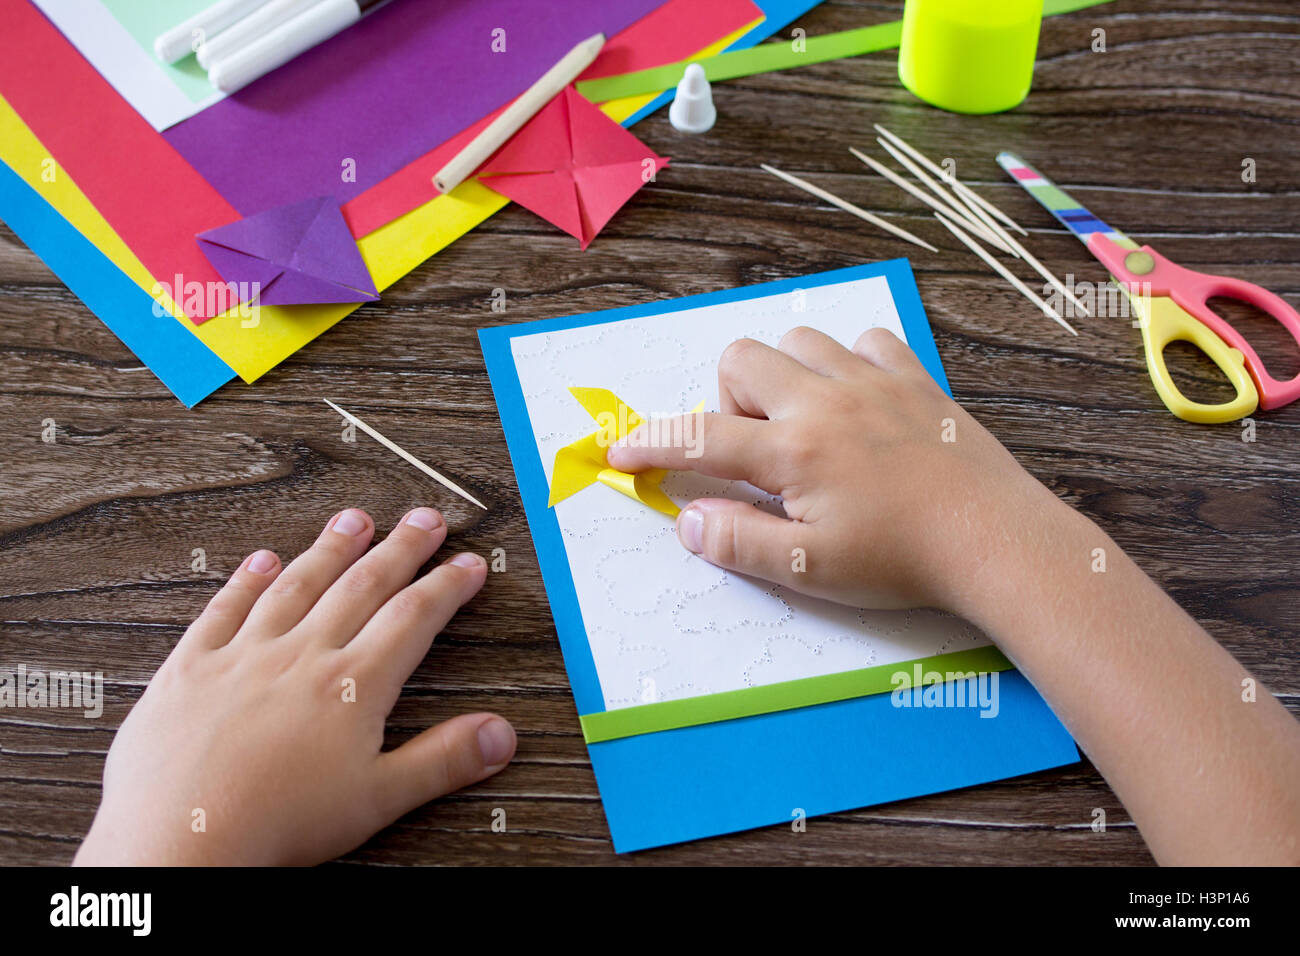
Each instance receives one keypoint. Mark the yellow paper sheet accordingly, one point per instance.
(390, 252)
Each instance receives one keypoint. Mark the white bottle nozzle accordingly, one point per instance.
(693, 110)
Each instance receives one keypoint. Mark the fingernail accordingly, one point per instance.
(496, 741)
(466, 561)
(426, 519)
(350, 522)
(262, 562)
(690, 528)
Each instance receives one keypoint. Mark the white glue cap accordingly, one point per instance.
(693, 110)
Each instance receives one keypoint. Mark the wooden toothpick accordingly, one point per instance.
(1046, 273)
(920, 194)
(961, 188)
(952, 201)
(974, 218)
(406, 455)
(835, 200)
(1000, 269)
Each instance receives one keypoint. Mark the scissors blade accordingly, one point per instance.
(1059, 203)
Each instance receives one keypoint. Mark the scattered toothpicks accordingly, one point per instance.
(965, 208)
(403, 453)
(961, 211)
(1000, 269)
(848, 207)
(961, 188)
(1046, 273)
(920, 194)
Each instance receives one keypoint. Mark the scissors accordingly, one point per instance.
(1172, 305)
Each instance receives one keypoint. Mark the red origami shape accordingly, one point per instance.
(572, 165)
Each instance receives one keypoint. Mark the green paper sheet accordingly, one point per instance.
(786, 695)
(146, 19)
(779, 55)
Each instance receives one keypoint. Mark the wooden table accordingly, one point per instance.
(98, 530)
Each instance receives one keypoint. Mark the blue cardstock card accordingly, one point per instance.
(706, 780)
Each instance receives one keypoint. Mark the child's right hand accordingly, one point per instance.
(895, 494)
(899, 498)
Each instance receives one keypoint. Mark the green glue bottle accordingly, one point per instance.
(970, 56)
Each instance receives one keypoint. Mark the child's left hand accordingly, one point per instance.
(259, 739)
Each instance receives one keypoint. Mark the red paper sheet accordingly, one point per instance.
(675, 31)
(148, 193)
(157, 202)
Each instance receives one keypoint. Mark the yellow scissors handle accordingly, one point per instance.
(1164, 321)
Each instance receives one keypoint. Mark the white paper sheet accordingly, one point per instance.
(163, 94)
(664, 624)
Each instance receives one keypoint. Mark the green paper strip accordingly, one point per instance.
(786, 695)
(778, 55)
(764, 58)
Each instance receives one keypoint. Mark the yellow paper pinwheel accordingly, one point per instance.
(583, 463)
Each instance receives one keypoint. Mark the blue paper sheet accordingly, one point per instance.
(184, 364)
(717, 778)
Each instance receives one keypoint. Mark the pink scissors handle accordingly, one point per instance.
(1193, 292)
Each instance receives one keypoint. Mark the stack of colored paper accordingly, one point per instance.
(114, 164)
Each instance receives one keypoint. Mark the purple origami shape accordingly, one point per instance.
(298, 253)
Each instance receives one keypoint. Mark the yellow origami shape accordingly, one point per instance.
(583, 463)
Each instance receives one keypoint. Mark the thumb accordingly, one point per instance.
(740, 537)
(444, 758)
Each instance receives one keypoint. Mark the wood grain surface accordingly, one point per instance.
(98, 528)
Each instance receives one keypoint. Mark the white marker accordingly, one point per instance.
(178, 42)
(313, 26)
(243, 32)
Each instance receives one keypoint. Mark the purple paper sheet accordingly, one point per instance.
(382, 93)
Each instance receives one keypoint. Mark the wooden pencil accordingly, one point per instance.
(477, 151)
